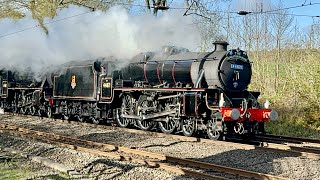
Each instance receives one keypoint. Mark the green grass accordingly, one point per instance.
(11, 171)
(296, 123)
(291, 128)
(16, 171)
(294, 91)
(13, 167)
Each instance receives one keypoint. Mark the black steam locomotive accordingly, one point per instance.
(173, 90)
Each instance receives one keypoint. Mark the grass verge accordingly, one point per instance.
(12, 171)
(295, 124)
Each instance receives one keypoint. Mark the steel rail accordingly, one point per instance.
(147, 163)
(145, 154)
(288, 139)
(307, 152)
(296, 151)
(311, 153)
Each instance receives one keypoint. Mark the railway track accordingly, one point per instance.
(287, 139)
(309, 147)
(308, 152)
(150, 159)
(265, 143)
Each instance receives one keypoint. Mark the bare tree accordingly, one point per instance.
(314, 33)
(282, 24)
(41, 9)
(207, 17)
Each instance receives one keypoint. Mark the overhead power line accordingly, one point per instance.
(185, 14)
(50, 22)
(62, 19)
(111, 2)
(292, 7)
(289, 14)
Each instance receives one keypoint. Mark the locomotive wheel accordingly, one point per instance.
(122, 122)
(33, 111)
(79, 118)
(39, 112)
(125, 109)
(188, 127)
(94, 120)
(14, 109)
(213, 130)
(167, 127)
(65, 117)
(145, 124)
(22, 110)
(49, 112)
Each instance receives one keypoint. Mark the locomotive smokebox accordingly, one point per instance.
(220, 45)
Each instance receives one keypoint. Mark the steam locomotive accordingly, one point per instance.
(172, 90)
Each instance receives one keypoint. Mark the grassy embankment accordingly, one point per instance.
(15, 167)
(10, 170)
(294, 93)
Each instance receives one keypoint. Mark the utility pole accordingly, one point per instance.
(157, 5)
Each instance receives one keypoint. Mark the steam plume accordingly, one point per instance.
(97, 34)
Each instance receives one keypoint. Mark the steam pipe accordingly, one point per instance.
(170, 96)
(200, 76)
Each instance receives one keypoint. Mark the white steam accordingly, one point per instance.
(96, 34)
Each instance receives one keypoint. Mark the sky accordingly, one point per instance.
(308, 10)
(312, 10)
(237, 5)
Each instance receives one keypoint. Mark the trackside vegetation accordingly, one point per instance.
(292, 85)
(11, 170)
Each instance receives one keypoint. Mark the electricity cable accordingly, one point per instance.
(38, 25)
(289, 14)
(292, 7)
(189, 8)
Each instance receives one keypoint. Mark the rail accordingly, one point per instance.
(262, 144)
(150, 159)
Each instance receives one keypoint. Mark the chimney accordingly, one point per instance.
(220, 45)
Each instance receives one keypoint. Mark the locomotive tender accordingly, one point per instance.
(175, 90)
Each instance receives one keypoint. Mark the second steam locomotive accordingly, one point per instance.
(174, 90)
